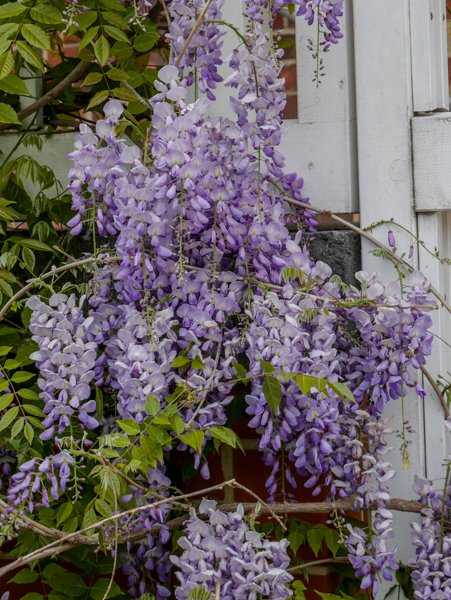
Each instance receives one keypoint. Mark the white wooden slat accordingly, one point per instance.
(429, 55)
(384, 110)
(434, 230)
(432, 161)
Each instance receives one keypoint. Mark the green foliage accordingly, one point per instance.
(316, 537)
(200, 593)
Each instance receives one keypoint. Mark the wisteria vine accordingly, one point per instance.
(200, 286)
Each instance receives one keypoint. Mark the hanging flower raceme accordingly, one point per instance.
(220, 552)
(201, 270)
(66, 360)
(37, 482)
(431, 573)
(146, 564)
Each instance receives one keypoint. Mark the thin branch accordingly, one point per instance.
(69, 539)
(194, 30)
(166, 12)
(71, 78)
(340, 560)
(37, 280)
(438, 391)
(370, 238)
(264, 505)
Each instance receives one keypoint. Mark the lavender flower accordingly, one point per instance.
(66, 361)
(220, 550)
(431, 573)
(37, 481)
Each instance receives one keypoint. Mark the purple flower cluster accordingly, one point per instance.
(200, 227)
(371, 554)
(37, 481)
(66, 360)
(202, 60)
(326, 14)
(431, 573)
(8, 460)
(146, 564)
(220, 551)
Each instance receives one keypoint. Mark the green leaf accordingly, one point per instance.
(5, 401)
(64, 512)
(5, 44)
(343, 391)
(88, 37)
(11, 10)
(129, 426)
(35, 36)
(197, 362)
(21, 376)
(180, 361)
(29, 259)
(116, 33)
(17, 427)
(102, 50)
(98, 590)
(267, 367)
(315, 538)
(34, 244)
(116, 20)
(11, 84)
(194, 439)
(86, 19)
(9, 417)
(117, 74)
(47, 14)
(30, 55)
(299, 589)
(273, 392)
(103, 508)
(332, 539)
(11, 364)
(200, 593)
(32, 596)
(225, 435)
(24, 576)
(8, 114)
(146, 41)
(6, 64)
(4, 350)
(31, 409)
(63, 581)
(98, 98)
(296, 535)
(28, 433)
(8, 30)
(152, 406)
(92, 79)
(27, 394)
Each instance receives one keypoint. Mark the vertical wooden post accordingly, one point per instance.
(384, 111)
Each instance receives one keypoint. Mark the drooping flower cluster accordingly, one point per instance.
(372, 554)
(66, 360)
(201, 270)
(37, 482)
(326, 14)
(220, 551)
(147, 565)
(431, 573)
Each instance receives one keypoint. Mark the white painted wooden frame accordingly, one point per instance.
(429, 55)
(401, 87)
(321, 144)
